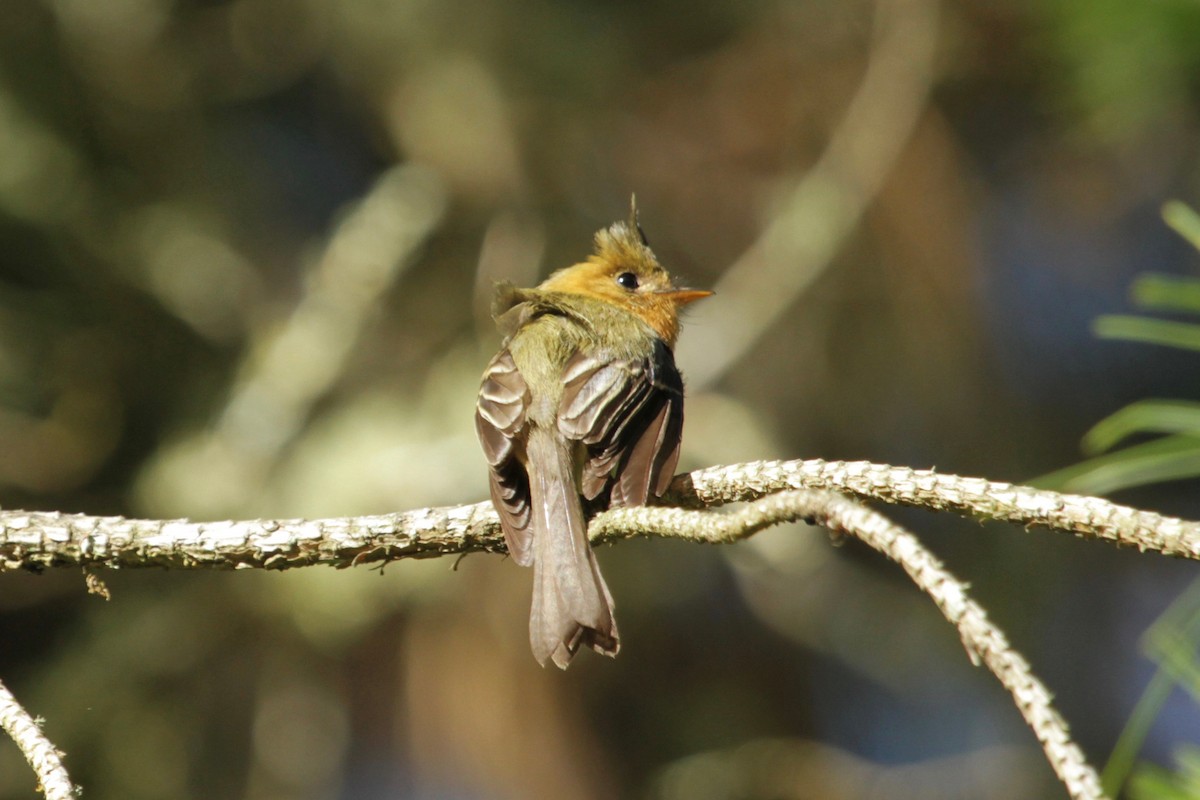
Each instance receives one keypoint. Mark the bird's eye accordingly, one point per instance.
(627, 280)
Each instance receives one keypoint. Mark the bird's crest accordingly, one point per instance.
(625, 242)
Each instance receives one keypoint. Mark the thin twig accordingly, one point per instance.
(985, 643)
(43, 756)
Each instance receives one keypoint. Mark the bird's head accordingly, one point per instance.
(624, 271)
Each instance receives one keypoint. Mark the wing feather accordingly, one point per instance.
(629, 415)
(499, 419)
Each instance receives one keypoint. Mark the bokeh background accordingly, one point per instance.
(246, 251)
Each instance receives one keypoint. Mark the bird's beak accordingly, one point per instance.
(684, 296)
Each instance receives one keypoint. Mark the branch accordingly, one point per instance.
(983, 640)
(45, 759)
(37, 540)
(778, 491)
(1087, 517)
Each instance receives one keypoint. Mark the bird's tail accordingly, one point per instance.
(571, 603)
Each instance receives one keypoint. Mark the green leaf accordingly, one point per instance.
(1184, 335)
(1133, 735)
(1156, 783)
(1144, 416)
(1167, 293)
(1172, 643)
(1166, 459)
(1184, 220)
(1174, 637)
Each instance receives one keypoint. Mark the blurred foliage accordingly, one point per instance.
(246, 252)
(1172, 643)
(1160, 784)
(1125, 65)
(1175, 456)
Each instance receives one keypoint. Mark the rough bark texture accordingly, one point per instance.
(37, 540)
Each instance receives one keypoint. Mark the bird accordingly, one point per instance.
(581, 406)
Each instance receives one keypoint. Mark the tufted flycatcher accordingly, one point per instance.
(582, 403)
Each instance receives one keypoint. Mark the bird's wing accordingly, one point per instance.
(629, 415)
(499, 418)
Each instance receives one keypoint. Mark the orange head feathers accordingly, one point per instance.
(624, 272)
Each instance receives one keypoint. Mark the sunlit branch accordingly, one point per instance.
(41, 754)
(1087, 517)
(775, 492)
(985, 643)
(36, 540)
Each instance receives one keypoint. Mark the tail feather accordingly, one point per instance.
(571, 603)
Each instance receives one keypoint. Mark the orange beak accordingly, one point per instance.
(684, 296)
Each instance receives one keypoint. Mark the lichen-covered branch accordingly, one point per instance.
(37, 540)
(41, 754)
(985, 642)
(777, 491)
(1088, 517)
